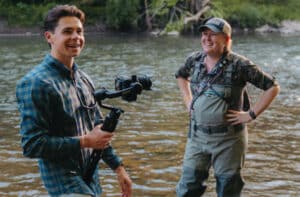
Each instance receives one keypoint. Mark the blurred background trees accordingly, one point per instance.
(156, 15)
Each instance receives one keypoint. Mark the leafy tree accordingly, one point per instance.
(176, 15)
(121, 15)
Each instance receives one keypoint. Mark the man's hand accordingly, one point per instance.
(237, 117)
(124, 181)
(97, 138)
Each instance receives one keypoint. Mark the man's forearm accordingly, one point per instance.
(265, 99)
(184, 86)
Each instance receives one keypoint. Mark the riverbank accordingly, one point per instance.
(287, 27)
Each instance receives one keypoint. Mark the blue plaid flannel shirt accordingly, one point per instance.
(55, 109)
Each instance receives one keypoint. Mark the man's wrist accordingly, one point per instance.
(252, 114)
(119, 168)
(82, 141)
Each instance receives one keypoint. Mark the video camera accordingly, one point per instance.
(122, 83)
(111, 120)
(128, 89)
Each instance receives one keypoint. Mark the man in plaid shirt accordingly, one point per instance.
(60, 120)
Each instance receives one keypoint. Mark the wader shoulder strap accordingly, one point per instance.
(210, 80)
(228, 76)
(227, 80)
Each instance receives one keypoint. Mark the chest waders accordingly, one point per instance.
(217, 144)
(214, 95)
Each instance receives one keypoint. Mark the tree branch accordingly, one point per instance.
(196, 17)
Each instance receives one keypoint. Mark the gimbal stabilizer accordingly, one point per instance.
(111, 120)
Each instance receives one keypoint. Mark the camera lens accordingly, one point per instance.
(146, 82)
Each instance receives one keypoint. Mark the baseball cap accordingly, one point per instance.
(217, 25)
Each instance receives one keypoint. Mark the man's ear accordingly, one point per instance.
(227, 38)
(48, 36)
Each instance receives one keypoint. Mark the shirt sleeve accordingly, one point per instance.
(33, 97)
(186, 70)
(110, 158)
(256, 76)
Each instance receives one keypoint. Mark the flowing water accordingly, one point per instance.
(152, 132)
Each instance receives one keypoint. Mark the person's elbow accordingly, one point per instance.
(182, 80)
(275, 89)
(29, 152)
(31, 149)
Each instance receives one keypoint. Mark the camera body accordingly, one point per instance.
(122, 83)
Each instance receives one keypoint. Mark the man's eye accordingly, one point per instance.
(68, 31)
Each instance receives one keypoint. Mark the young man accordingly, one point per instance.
(60, 120)
(213, 84)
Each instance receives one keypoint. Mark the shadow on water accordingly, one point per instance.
(152, 133)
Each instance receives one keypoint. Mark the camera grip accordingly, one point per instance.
(111, 120)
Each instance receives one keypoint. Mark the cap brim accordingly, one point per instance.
(211, 27)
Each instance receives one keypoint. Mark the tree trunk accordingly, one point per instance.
(147, 17)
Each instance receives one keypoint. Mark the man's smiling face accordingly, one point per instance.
(213, 43)
(67, 40)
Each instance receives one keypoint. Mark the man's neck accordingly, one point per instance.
(67, 61)
(211, 60)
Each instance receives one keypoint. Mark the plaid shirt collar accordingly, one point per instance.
(49, 59)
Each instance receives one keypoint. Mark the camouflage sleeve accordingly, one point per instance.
(186, 70)
(255, 75)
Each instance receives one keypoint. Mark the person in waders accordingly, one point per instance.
(213, 84)
(60, 119)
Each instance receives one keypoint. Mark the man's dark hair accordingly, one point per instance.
(60, 11)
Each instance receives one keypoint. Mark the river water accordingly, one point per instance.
(152, 132)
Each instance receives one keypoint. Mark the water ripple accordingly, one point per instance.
(151, 134)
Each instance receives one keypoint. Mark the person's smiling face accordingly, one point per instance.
(213, 43)
(67, 40)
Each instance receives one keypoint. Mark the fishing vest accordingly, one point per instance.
(226, 92)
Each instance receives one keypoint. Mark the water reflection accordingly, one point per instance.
(152, 132)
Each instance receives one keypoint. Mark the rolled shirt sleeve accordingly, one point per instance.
(110, 158)
(187, 68)
(255, 75)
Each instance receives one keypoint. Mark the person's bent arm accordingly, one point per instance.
(184, 86)
(33, 97)
(265, 99)
(97, 139)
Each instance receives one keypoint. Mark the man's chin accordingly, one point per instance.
(75, 54)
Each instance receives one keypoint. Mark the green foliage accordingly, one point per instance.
(165, 16)
(24, 14)
(94, 14)
(121, 15)
(246, 15)
(129, 14)
(254, 13)
(175, 26)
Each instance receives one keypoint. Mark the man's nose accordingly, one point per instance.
(75, 34)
